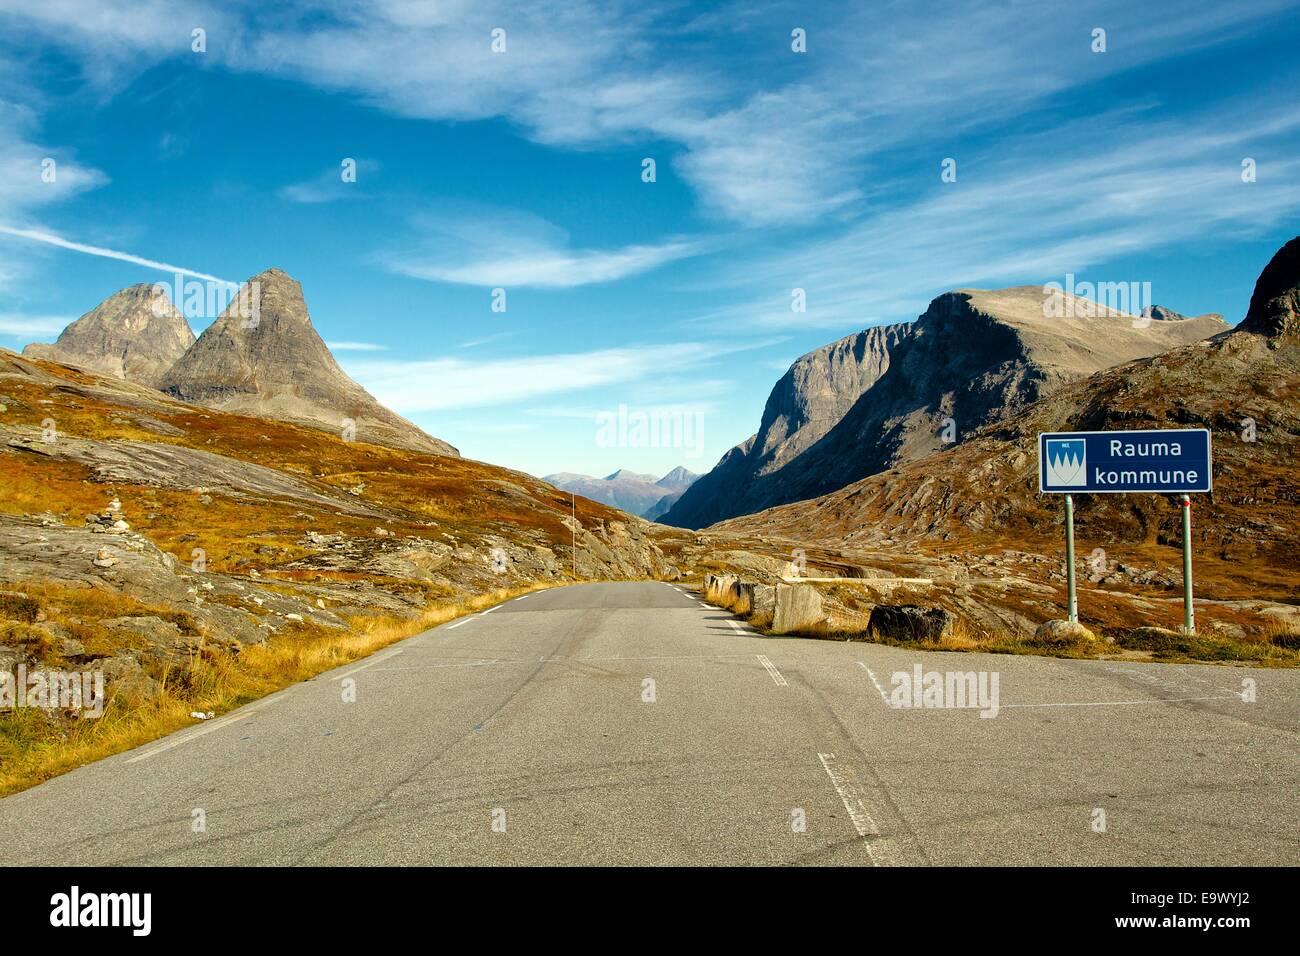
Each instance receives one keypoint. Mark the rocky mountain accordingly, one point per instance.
(896, 393)
(637, 494)
(136, 334)
(273, 364)
(1243, 385)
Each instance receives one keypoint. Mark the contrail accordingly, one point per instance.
(107, 253)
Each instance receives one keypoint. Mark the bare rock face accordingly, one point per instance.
(897, 393)
(270, 362)
(136, 334)
(1275, 305)
(797, 606)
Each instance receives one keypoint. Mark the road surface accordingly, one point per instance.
(630, 724)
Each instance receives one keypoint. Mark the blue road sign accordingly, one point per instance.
(1166, 461)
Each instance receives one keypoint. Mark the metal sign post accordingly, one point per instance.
(1154, 461)
(1073, 614)
(1189, 613)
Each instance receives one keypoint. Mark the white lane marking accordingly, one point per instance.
(201, 732)
(452, 627)
(566, 660)
(490, 610)
(775, 674)
(858, 813)
(1119, 703)
(666, 657)
(421, 667)
(373, 661)
(883, 695)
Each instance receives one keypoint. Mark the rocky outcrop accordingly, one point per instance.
(898, 393)
(136, 334)
(1275, 305)
(910, 623)
(808, 401)
(264, 358)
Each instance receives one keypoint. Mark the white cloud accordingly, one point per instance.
(425, 385)
(329, 186)
(493, 247)
(37, 235)
(1030, 212)
(32, 326)
(765, 135)
(441, 384)
(484, 340)
(355, 347)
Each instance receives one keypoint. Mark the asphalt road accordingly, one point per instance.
(528, 734)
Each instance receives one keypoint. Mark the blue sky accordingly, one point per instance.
(522, 170)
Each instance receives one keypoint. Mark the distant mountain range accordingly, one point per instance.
(894, 394)
(272, 366)
(643, 495)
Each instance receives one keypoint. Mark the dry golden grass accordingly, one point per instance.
(35, 746)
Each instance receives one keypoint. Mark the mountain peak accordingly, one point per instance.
(135, 334)
(679, 477)
(1275, 306)
(893, 394)
(263, 357)
(624, 474)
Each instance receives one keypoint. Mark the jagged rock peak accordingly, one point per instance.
(1275, 306)
(136, 334)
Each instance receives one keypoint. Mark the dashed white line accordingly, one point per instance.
(858, 813)
(1118, 703)
(883, 695)
(452, 627)
(775, 674)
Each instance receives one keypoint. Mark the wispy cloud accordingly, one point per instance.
(444, 383)
(780, 141)
(32, 326)
(36, 235)
(329, 186)
(424, 385)
(484, 340)
(507, 248)
(355, 347)
(1032, 212)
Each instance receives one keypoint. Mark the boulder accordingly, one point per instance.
(1058, 633)
(763, 597)
(740, 598)
(797, 606)
(910, 622)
